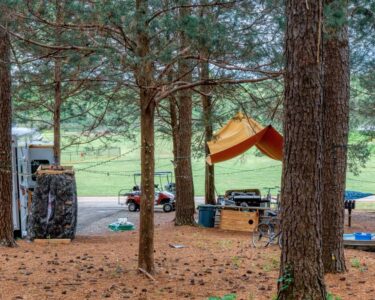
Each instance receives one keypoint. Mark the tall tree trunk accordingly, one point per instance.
(6, 221)
(209, 190)
(146, 230)
(57, 91)
(173, 109)
(185, 207)
(335, 138)
(301, 270)
(144, 76)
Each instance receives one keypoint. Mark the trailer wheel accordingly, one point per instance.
(132, 207)
(167, 207)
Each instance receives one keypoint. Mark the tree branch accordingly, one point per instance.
(54, 47)
(216, 3)
(165, 93)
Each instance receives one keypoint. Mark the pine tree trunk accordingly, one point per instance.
(185, 207)
(209, 190)
(301, 270)
(146, 230)
(173, 111)
(57, 91)
(174, 127)
(335, 141)
(6, 220)
(57, 114)
(144, 76)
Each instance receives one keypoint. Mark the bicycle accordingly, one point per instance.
(268, 232)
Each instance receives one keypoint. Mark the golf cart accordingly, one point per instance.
(165, 198)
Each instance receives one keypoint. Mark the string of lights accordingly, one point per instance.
(108, 160)
(6, 168)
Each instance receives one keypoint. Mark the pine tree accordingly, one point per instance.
(207, 106)
(143, 74)
(57, 88)
(6, 220)
(335, 132)
(301, 269)
(66, 79)
(185, 205)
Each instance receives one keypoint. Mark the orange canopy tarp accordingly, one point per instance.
(240, 134)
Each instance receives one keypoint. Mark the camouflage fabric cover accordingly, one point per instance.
(53, 212)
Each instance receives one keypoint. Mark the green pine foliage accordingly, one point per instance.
(101, 93)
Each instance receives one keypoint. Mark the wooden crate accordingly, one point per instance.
(217, 218)
(238, 220)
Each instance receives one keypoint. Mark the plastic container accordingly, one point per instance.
(206, 217)
(362, 236)
(121, 227)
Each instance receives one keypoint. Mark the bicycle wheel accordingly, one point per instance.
(261, 235)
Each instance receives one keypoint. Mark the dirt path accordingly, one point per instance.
(215, 262)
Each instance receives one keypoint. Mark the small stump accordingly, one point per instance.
(53, 212)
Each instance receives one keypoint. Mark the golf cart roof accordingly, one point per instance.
(20, 131)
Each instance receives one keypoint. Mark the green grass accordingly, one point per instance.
(108, 178)
(364, 206)
(103, 178)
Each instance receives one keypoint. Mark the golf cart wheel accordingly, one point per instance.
(261, 236)
(167, 207)
(132, 207)
(244, 204)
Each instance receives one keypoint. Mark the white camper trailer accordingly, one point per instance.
(29, 151)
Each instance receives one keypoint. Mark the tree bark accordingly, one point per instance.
(6, 220)
(185, 207)
(146, 230)
(209, 191)
(173, 112)
(144, 75)
(335, 141)
(57, 91)
(174, 126)
(301, 269)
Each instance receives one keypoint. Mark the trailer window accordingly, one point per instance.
(35, 165)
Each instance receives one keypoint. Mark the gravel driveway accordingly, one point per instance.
(95, 213)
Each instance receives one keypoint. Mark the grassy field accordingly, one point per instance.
(104, 174)
(364, 206)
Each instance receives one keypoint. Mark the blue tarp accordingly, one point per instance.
(353, 195)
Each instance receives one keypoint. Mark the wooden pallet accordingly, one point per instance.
(52, 170)
(52, 241)
(238, 220)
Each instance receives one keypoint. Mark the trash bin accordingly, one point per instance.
(206, 217)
